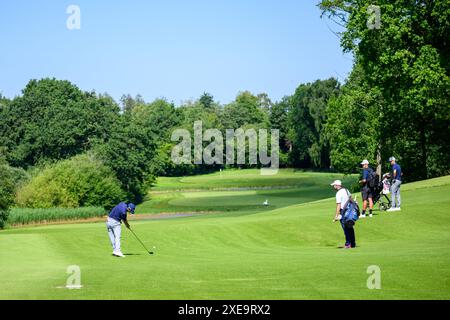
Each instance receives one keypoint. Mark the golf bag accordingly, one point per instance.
(373, 179)
(350, 212)
(381, 197)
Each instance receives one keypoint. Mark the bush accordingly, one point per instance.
(82, 181)
(7, 187)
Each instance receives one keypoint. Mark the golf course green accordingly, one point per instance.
(233, 247)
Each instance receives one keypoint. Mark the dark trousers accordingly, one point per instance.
(349, 235)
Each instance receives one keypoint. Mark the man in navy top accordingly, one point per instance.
(113, 225)
(396, 176)
(366, 192)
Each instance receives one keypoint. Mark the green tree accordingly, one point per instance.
(307, 117)
(54, 120)
(206, 100)
(3, 101)
(129, 151)
(7, 188)
(243, 111)
(264, 102)
(278, 119)
(129, 103)
(407, 61)
(353, 128)
(159, 116)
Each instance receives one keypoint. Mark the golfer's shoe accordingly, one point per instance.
(398, 209)
(390, 210)
(362, 216)
(118, 254)
(370, 215)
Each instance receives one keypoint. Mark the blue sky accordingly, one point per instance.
(172, 49)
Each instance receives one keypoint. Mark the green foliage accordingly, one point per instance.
(307, 117)
(24, 216)
(129, 153)
(278, 119)
(76, 182)
(53, 120)
(353, 127)
(407, 62)
(7, 187)
(243, 111)
(206, 100)
(129, 103)
(3, 101)
(191, 112)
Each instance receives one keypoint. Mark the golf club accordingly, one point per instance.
(150, 252)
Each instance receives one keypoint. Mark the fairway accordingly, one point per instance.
(235, 248)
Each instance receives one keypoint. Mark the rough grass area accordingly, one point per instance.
(25, 216)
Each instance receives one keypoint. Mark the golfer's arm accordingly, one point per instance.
(363, 180)
(126, 224)
(338, 211)
(394, 174)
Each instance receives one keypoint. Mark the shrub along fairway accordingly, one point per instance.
(285, 251)
(24, 216)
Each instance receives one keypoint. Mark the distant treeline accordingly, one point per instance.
(54, 120)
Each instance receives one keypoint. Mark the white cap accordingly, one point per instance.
(391, 159)
(365, 161)
(337, 183)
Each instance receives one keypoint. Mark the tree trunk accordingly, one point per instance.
(379, 161)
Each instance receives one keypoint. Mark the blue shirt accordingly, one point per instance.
(398, 175)
(366, 173)
(119, 212)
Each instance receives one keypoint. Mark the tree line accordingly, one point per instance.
(71, 147)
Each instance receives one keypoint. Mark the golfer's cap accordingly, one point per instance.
(132, 207)
(391, 159)
(365, 161)
(337, 183)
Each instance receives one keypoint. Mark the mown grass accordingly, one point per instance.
(24, 216)
(239, 190)
(289, 252)
(249, 178)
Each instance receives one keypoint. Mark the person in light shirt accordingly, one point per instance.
(342, 198)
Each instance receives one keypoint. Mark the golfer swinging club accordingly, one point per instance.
(113, 225)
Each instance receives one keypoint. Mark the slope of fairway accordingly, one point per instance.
(239, 191)
(287, 253)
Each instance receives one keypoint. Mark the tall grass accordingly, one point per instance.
(22, 216)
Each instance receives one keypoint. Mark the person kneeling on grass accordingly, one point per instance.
(342, 198)
(113, 225)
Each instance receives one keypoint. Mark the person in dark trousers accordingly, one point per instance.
(342, 198)
(396, 176)
(113, 225)
(366, 192)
